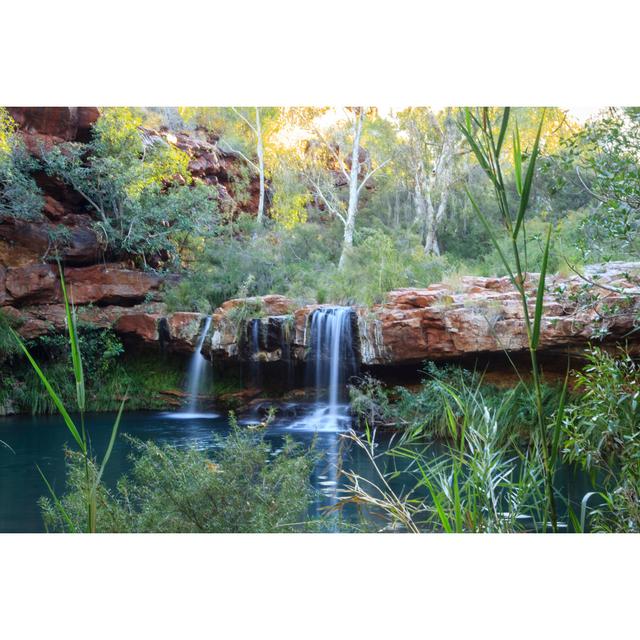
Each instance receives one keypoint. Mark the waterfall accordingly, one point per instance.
(332, 359)
(255, 327)
(197, 366)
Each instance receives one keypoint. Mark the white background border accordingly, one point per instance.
(319, 586)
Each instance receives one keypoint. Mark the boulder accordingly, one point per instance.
(111, 284)
(183, 330)
(34, 283)
(142, 327)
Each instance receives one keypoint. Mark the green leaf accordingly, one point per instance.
(503, 128)
(557, 427)
(54, 396)
(537, 320)
(526, 188)
(517, 159)
(57, 502)
(76, 358)
(492, 235)
(114, 433)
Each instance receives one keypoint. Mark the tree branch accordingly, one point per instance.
(236, 151)
(245, 120)
(331, 208)
(366, 178)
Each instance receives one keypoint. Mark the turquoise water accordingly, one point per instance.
(40, 441)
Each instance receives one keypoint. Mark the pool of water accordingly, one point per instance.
(39, 441)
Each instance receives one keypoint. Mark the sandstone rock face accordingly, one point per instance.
(105, 293)
(182, 330)
(111, 284)
(481, 316)
(65, 123)
(228, 326)
(143, 327)
(32, 283)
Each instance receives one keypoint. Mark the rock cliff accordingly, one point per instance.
(106, 292)
(440, 322)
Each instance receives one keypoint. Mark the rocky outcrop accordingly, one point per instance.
(440, 322)
(106, 293)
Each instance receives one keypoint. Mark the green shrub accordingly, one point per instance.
(245, 487)
(425, 411)
(602, 435)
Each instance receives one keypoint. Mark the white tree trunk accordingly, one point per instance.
(260, 152)
(352, 209)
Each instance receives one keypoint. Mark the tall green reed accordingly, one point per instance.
(478, 130)
(78, 432)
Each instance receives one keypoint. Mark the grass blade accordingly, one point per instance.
(583, 508)
(517, 159)
(526, 187)
(76, 358)
(114, 433)
(54, 396)
(557, 427)
(57, 502)
(494, 240)
(537, 320)
(503, 129)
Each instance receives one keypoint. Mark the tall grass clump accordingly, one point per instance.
(78, 430)
(479, 484)
(486, 144)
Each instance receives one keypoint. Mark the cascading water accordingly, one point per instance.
(332, 361)
(197, 367)
(255, 327)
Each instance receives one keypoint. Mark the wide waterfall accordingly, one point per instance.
(331, 362)
(197, 367)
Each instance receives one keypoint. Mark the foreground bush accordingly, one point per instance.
(602, 435)
(244, 488)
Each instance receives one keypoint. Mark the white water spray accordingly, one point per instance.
(197, 366)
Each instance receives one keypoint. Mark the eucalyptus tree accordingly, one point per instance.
(433, 146)
(335, 159)
(247, 132)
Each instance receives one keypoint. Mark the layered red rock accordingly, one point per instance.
(143, 327)
(183, 330)
(479, 316)
(111, 284)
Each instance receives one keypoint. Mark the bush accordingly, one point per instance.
(602, 435)
(246, 487)
(425, 412)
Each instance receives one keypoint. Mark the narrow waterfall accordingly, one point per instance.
(197, 367)
(332, 358)
(255, 328)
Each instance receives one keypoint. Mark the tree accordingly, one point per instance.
(139, 188)
(433, 148)
(606, 156)
(332, 163)
(243, 132)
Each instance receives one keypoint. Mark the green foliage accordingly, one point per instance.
(601, 435)
(245, 487)
(20, 197)
(480, 484)
(425, 413)
(136, 189)
(606, 155)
